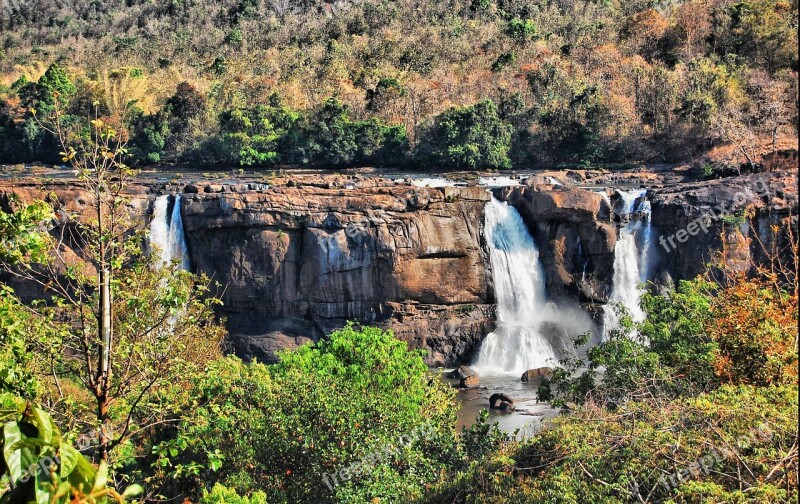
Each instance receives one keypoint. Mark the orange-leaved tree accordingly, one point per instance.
(754, 316)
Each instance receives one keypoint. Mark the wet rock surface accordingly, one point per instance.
(501, 402)
(537, 376)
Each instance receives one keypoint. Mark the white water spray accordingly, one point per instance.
(497, 182)
(631, 259)
(166, 232)
(433, 182)
(518, 344)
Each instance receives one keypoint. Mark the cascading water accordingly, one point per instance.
(166, 232)
(497, 182)
(518, 344)
(433, 182)
(631, 258)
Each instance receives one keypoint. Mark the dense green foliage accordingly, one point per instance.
(469, 137)
(355, 417)
(395, 82)
(40, 465)
(16, 363)
(675, 329)
(693, 449)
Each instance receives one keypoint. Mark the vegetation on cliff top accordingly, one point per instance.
(454, 84)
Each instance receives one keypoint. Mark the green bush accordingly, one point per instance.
(522, 30)
(675, 330)
(473, 137)
(503, 61)
(352, 418)
(272, 134)
(222, 495)
(149, 136)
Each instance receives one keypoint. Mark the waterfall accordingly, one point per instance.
(497, 182)
(166, 232)
(519, 343)
(627, 201)
(433, 182)
(631, 258)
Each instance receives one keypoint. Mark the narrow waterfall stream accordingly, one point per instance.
(166, 232)
(518, 344)
(631, 259)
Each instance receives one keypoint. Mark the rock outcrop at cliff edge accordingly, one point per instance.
(298, 262)
(575, 234)
(739, 215)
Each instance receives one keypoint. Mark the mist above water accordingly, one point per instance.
(531, 331)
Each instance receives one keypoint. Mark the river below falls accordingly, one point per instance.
(530, 414)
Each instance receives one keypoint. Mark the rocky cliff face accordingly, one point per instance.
(575, 233)
(299, 259)
(742, 217)
(298, 262)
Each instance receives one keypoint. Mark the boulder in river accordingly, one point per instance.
(537, 376)
(501, 402)
(461, 372)
(469, 382)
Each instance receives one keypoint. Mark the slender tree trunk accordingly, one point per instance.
(104, 332)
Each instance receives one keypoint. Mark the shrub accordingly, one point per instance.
(675, 329)
(522, 30)
(222, 495)
(732, 445)
(468, 137)
(363, 389)
(753, 323)
(503, 61)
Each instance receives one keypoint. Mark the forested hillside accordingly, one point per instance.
(246, 336)
(472, 84)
